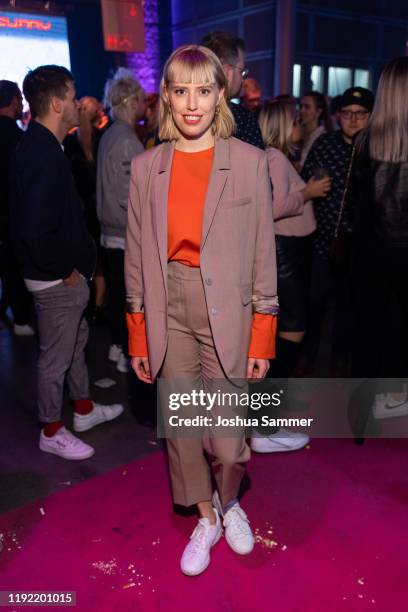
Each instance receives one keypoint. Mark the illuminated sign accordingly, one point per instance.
(28, 40)
(28, 24)
(123, 25)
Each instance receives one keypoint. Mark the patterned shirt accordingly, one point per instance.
(332, 153)
(247, 126)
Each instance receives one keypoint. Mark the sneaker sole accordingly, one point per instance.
(239, 552)
(24, 335)
(389, 412)
(58, 454)
(85, 427)
(279, 450)
(209, 560)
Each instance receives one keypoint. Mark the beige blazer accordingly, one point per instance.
(237, 258)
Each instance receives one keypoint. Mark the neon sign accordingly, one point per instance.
(27, 24)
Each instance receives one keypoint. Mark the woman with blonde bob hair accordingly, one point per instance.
(207, 69)
(294, 227)
(201, 284)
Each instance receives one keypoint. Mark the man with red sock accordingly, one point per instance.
(57, 256)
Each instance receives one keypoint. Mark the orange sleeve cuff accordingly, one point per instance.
(263, 336)
(137, 334)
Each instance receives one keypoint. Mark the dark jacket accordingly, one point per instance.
(378, 197)
(10, 134)
(247, 127)
(48, 230)
(332, 154)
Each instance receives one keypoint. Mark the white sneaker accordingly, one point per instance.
(23, 330)
(99, 414)
(65, 445)
(196, 555)
(279, 442)
(385, 407)
(115, 352)
(123, 364)
(238, 533)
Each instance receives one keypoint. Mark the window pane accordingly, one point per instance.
(296, 80)
(361, 78)
(263, 72)
(259, 31)
(316, 77)
(339, 80)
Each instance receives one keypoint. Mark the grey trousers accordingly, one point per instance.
(63, 333)
(191, 354)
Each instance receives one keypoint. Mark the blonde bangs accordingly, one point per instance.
(200, 66)
(190, 69)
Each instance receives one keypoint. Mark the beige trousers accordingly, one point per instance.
(191, 354)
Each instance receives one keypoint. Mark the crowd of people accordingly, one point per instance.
(211, 234)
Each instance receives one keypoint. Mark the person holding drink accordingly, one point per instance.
(294, 229)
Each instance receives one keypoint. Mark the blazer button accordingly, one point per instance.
(208, 281)
(213, 311)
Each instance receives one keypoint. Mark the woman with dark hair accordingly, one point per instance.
(315, 120)
(378, 195)
(201, 281)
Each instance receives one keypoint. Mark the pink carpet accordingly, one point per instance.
(331, 523)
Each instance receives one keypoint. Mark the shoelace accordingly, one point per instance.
(200, 535)
(68, 440)
(237, 520)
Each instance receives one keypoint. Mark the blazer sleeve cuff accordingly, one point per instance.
(134, 304)
(267, 306)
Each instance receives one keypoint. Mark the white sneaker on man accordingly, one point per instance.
(196, 556)
(23, 330)
(279, 442)
(123, 364)
(99, 414)
(115, 352)
(238, 533)
(65, 445)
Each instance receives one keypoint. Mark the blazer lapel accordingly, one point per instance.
(218, 179)
(160, 195)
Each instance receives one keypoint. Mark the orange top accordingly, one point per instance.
(190, 174)
(189, 180)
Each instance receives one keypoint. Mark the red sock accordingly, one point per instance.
(83, 406)
(50, 429)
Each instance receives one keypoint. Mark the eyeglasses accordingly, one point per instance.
(360, 114)
(244, 71)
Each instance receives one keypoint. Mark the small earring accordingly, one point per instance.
(217, 109)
